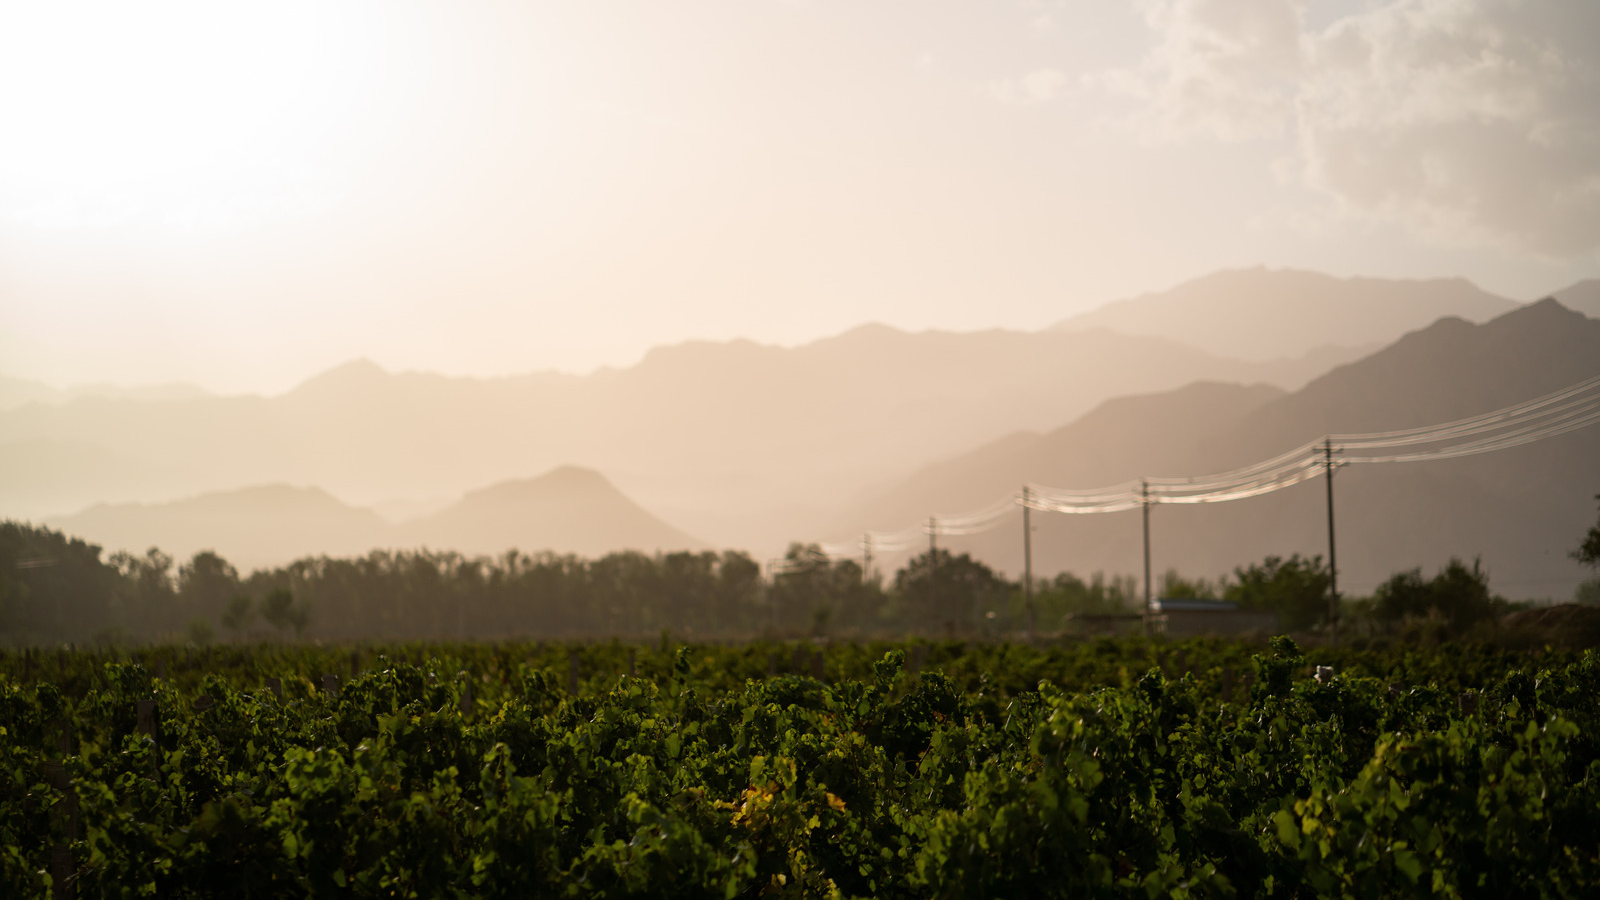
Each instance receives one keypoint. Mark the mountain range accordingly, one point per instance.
(751, 446)
(15, 392)
(737, 442)
(1582, 297)
(1519, 510)
(567, 510)
(1261, 313)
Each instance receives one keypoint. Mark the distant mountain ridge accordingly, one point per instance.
(740, 443)
(1520, 509)
(567, 510)
(743, 443)
(1262, 313)
(15, 392)
(1583, 297)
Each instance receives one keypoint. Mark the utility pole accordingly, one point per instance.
(933, 539)
(1333, 559)
(772, 594)
(1027, 561)
(866, 558)
(1144, 489)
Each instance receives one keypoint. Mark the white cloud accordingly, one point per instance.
(1472, 120)
(1041, 86)
(1476, 121)
(1222, 68)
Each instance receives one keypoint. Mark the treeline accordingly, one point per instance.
(55, 588)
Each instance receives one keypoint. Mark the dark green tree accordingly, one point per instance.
(279, 610)
(1295, 588)
(236, 618)
(688, 588)
(803, 589)
(146, 591)
(1459, 595)
(738, 590)
(1068, 595)
(53, 587)
(1175, 586)
(1588, 552)
(205, 584)
(939, 589)
(1405, 595)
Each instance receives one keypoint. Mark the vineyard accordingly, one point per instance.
(1133, 767)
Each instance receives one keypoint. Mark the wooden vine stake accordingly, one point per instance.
(63, 816)
(146, 710)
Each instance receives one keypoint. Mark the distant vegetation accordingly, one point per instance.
(54, 588)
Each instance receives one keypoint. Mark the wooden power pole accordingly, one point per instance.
(1027, 561)
(1333, 558)
(1149, 621)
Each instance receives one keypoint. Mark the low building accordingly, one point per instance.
(1188, 617)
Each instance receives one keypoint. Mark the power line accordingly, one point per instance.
(1569, 409)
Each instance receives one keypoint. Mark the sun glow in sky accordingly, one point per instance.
(241, 195)
(181, 115)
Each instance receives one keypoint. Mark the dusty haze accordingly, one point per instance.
(243, 197)
(293, 278)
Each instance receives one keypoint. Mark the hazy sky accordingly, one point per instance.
(243, 196)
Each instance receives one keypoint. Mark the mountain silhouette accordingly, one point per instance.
(1582, 297)
(251, 527)
(745, 444)
(1262, 313)
(739, 443)
(15, 392)
(1520, 509)
(568, 510)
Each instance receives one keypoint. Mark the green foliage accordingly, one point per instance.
(1068, 595)
(1457, 595)
(1176, 587)
(54, 590)
(938, 587)
(812, 592)
(50, 583)
(280, 611)
(1159, 774)
(236, 618)
(199, 632)
(1588, 552)
(207, 581)
(1588, 593)
(1296, 589)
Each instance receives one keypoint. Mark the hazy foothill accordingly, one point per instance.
(735, 442)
